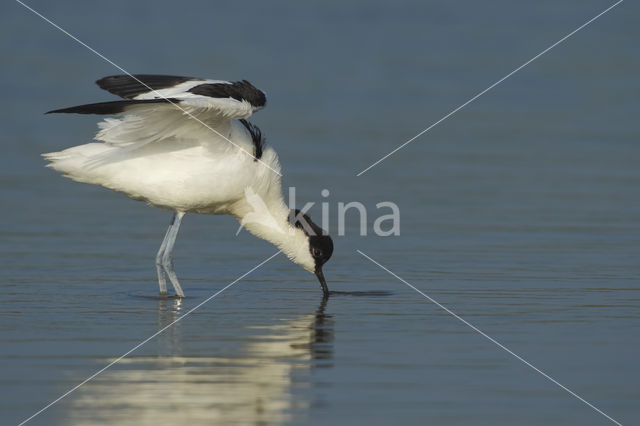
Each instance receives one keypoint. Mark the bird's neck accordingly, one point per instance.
(267, 217)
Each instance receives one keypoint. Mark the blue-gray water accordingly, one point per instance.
(521, 213)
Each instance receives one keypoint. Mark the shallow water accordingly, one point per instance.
(520, 214)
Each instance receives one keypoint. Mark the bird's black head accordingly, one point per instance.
(320, 243)
(321, 247)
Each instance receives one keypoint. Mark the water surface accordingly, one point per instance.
(520, 214)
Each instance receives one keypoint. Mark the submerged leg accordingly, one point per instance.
(167, 255)
(162, 279)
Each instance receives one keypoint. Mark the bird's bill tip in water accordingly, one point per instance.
(323, 282)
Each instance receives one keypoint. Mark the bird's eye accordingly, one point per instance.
(316, 252)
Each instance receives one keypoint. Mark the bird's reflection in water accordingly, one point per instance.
(253, 387)
(319, 344)
(169, 309)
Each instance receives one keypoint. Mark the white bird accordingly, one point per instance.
(184, 144)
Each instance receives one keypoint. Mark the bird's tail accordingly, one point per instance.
(78, 162)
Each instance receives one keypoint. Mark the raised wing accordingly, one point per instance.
(227, 99)
(149, 86)
(129, 87)
(158, 107)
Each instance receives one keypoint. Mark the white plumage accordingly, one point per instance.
(185, 146)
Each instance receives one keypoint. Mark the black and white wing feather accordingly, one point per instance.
(158, 107)
(229, 99)
(129, 87)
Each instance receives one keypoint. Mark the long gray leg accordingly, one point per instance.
(167, 256)
(162, 279)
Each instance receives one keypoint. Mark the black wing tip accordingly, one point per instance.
(109, 77)
(259, 98)
(106, 82)
(142, 77)
(131, 85)
(70, 110)
(239, 90)
(109, 108)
